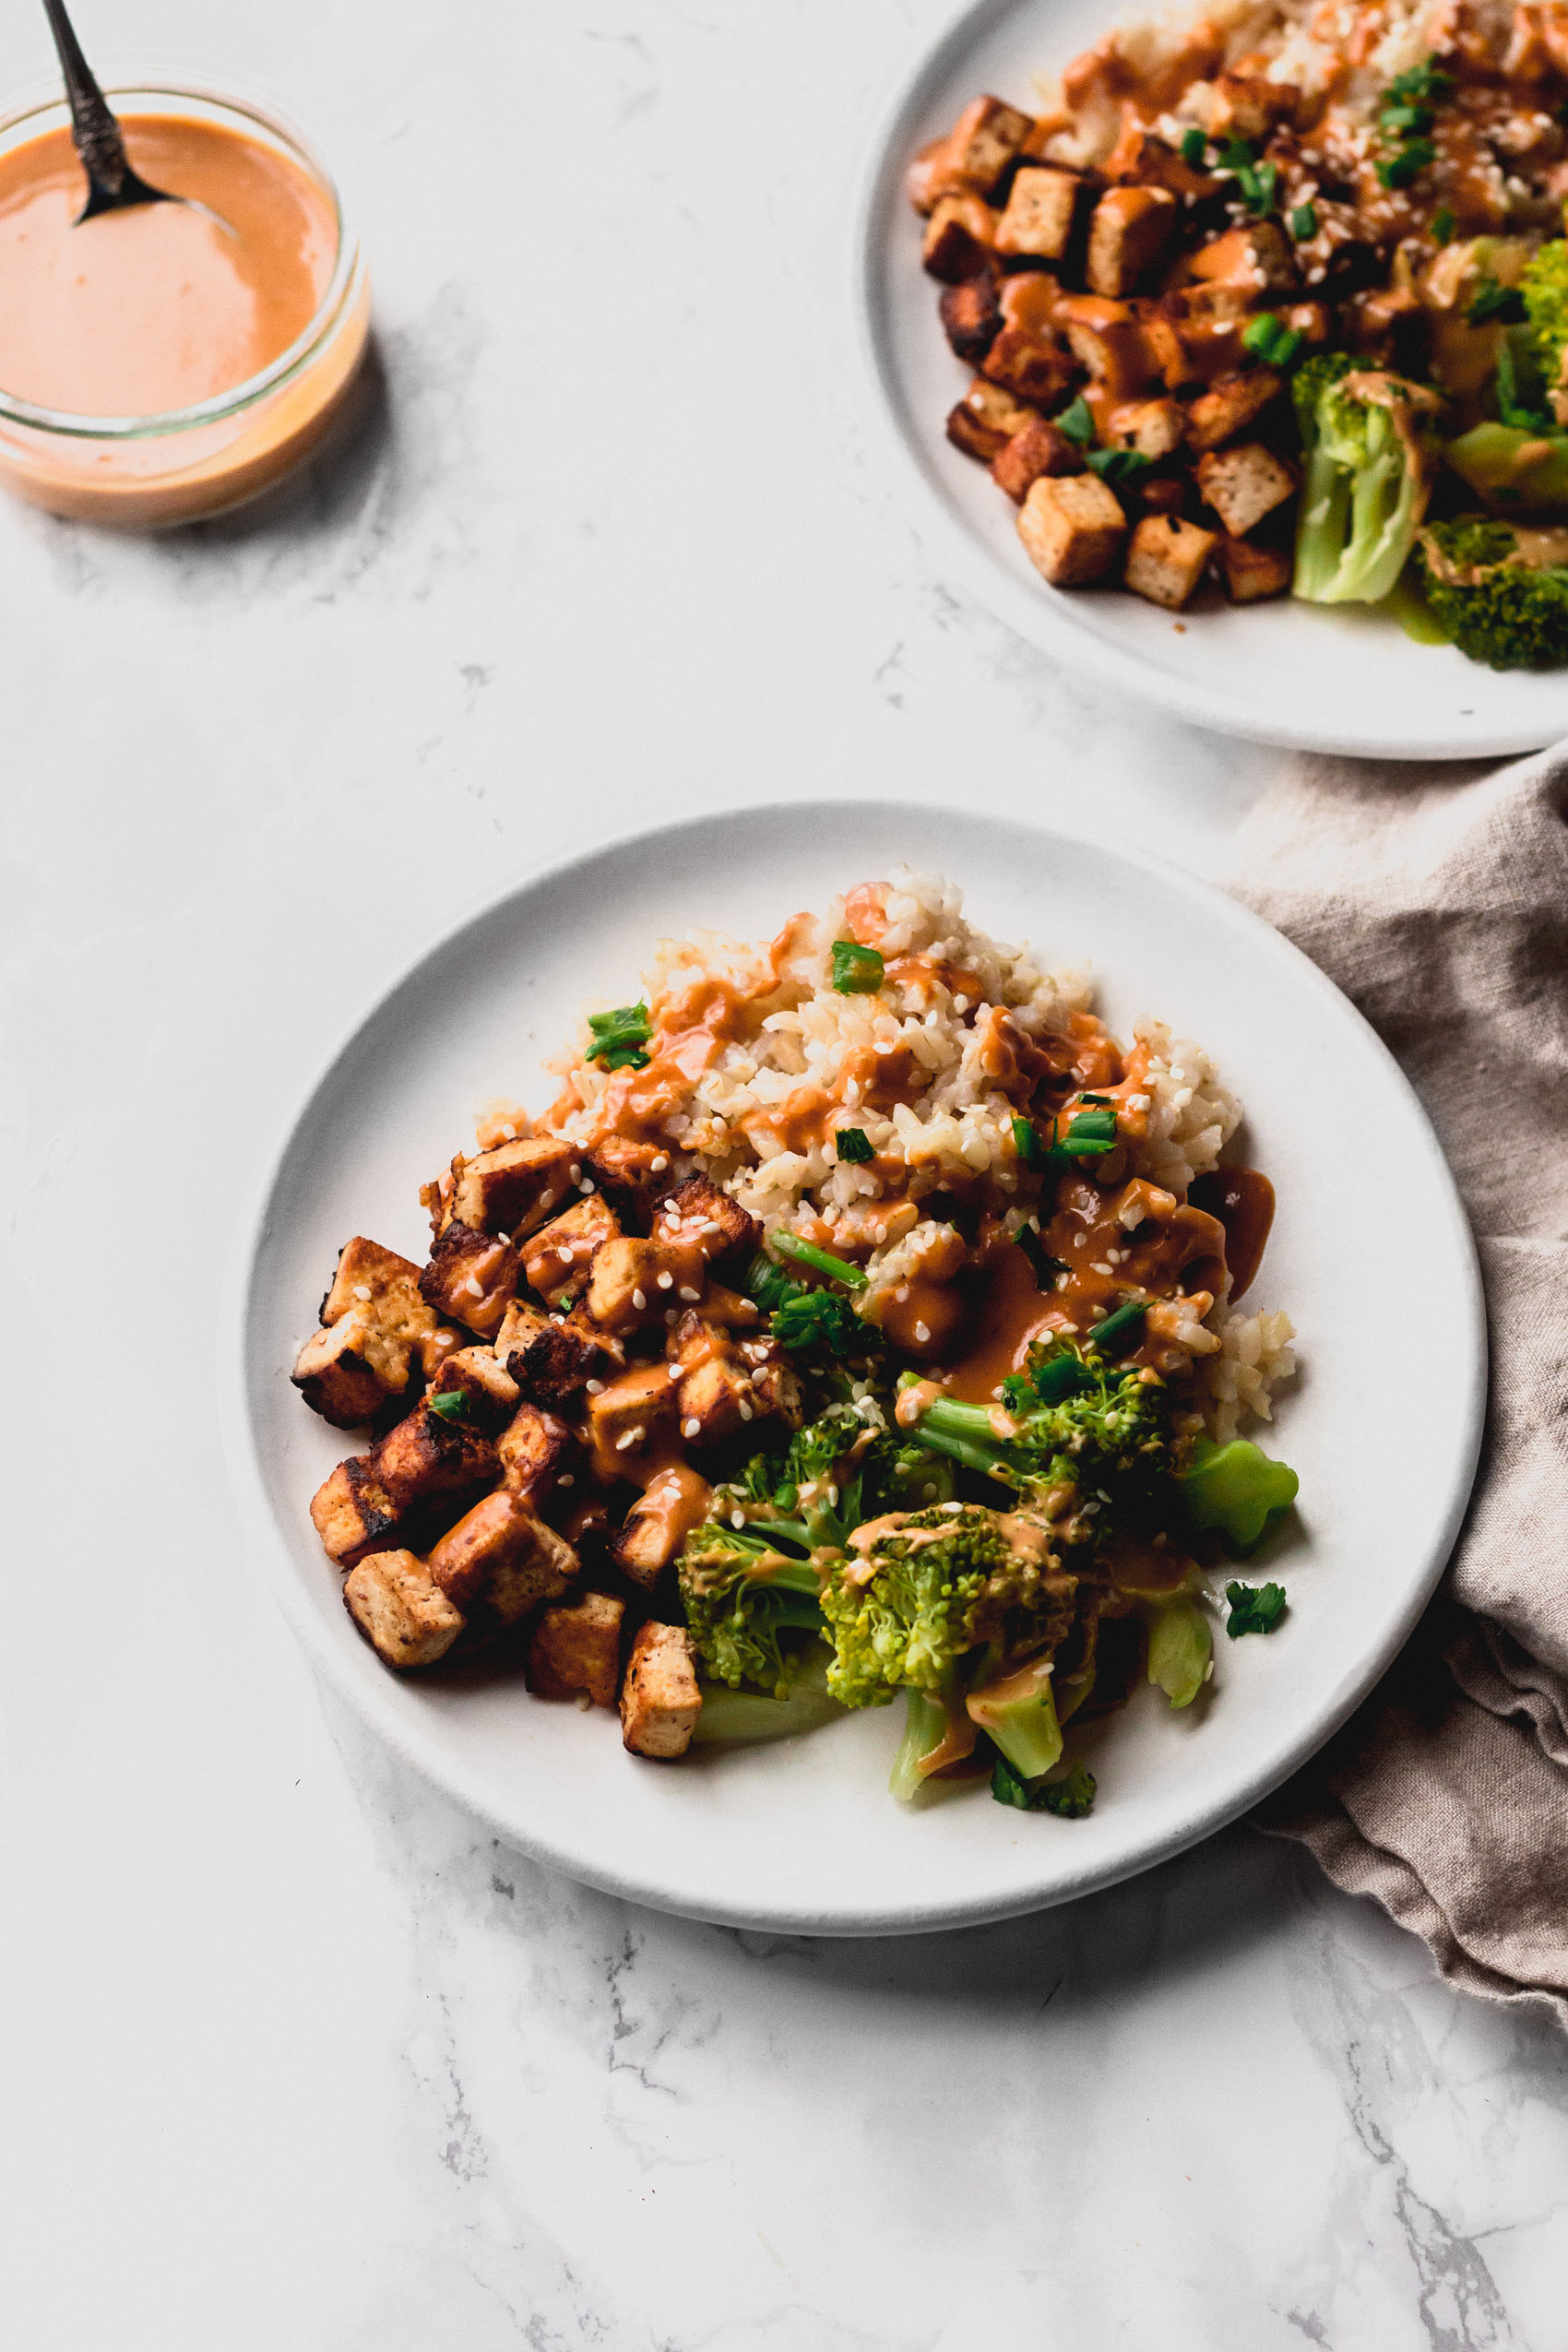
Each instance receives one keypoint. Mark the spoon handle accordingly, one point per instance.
(94, 127)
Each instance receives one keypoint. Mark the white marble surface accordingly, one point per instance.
(297, 2058)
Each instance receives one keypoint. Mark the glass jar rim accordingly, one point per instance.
(33, 108)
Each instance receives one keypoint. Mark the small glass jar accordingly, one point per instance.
(149, 472)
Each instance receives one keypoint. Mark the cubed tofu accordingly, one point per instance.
(632, 1177)
(626, 1414)
(985, 420)
(1154, 428)
(1038, 449)
(538, 1453)
(971, 319)
(520, 1327)
(634, 1282)
(983, 141)
(1161, 494)
(403, 1613)
(472, 1278)
(501, 1559)
(1230, 406)
(675, 1501)
(1041, 212)
(1031, 367)
(731, 1309)
(923, 182)
(1242, 484)
(558, 1258)
(659, 1700)
(557, 1364)
(489, 1392)
(375, 1326)
(509, 1190)
(1249, 106)
(577, 1648)
(699, 1217)
(1108, 338)
(1257, 258)
(957, 244)
(1250, 573)
(352, 1511)
(715, 1401)
(1129, 230)
(1166, 559)
(426, 1456)
(1073, 528)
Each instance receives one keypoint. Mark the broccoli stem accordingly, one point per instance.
(1025, 1729)
(823, 1261)
(963, 1433)
(925, 1727)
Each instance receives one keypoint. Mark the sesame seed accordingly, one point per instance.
(1097, 1266)
(690, 1295)
(922, 1333)
(693, 1428)
(594, 1387)
(639, 1299)
(567, 1478)
(510, 1134)
(547, 1200)
(902, 1292)
(361, 1289)
(585, 1186)
(660, 1164)
(672, 1316)
(506, 1237)
(575, 1171)
(745, 1409)
(960, 1004)
(474, 1289)
(628, 1438)
(737, 1518)
(583, 1703)
(666, 1281)
(832, 1497)
(883, 1045)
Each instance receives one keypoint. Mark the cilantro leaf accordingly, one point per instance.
(852, 1145)
(619, 1038)
(818, 1319)
(1255, 1608)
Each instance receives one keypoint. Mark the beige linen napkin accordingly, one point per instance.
(1438, 900)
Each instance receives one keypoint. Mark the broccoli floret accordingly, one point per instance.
(1495, 605)
(741, 1592)
(1544, 284)
(1235, 1488)
(932, 1587)
(1365, 481)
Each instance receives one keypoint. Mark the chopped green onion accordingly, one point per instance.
(1503, 303)
(1091, 1132)
(451, 1404)
(1255, 1608)
(1399, 119)
(1194, 146)
(857, 971)
(1025, 1142)
(820, 1319)
(1408, 165)
(1120, 1331)
(1259, 187)
(1260, 335)
(807, 1253)
(1303, 222)
(1103, 1100)
(1059, 1378)
(1077, 420)
(1426, 80)
(1114, 466)
(853, 1146)
(1289, 343)
(1046, 1268)
(619, 1038)
(1443, 226)
(1237, 155)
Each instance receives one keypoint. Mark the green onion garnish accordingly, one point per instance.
(1025, 1142)
(1503, 303)
(1260, 335)
(1443, 226)
(1077, 420)
(1194, 146)
(807, 1253)
(1255, 1608)
(1118, 1332)
(1115, 465)
(451, 1404)
(857, 971)
(1091, 1132)
(619, 1038)
(853, 1146)
(1408, 165)
(1303, 222)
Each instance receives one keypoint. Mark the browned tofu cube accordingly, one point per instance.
(488, 1390)
(1252, 573)
(1108, 338)
(375, 1326)
(1029, 367)
(675, 1501)
(538, 1453)
(1072, 529)
(1038, 449)
(633, 1284)
(634, 1177)
(1249, 106)
(509, 1190)
(971, 319)
(1041, 209)
(1128, 233)
(1230, 406)
(577, 1648)
(699, 1217)
(1166, 559)
(927, 173)
(1154, 428)
(558, 1258)
(1242, 484)
(501, 1559)
(985, 420)
(394, 1601)
(957, 244)
(352, 1511)
(983, 141)
(1160, 493)
(520, 1327)
(472, 1278)
(659, 1700)
(715, 1401)
(430, 1454)
(626, 1414)
(1256, 257)
(557, 1365)
(731, 1309)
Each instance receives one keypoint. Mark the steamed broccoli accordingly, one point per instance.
(1365, 480)
(1495, 597)
(1516, 467)
(1236, 1490)
(1544, 285)
(740, 1593)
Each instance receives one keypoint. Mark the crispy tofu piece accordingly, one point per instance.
(557, 1259)
(1041, 212)
(1243, 484)
(674, 1501)
(368, 1497)
(1031, 367)
(985, 420)
(632, 1177)
(1073, 529)
(578, 1648)
(981, 144)
(699, 1216)
(375, 1324)
(538, 1453)
(1166, 559)
(509, 1190)
(1129, 230)
(560, 1361)
(1141, 159)
(725, 1383)
(715, 1401)
(520, 1327)
(971, 319)
(626, 1414)
(1250, 573)
(659, 1699)
(958, 238)
(489, 1392)
(1249, 106)
(472, 1278)
(1256, 257)
(503, 1559)
(634, 1282)
(1230, 406)
(1108, 338)
(1040, 447)
(923, 181)
(731, 1309)
(1154, 428)
(1161, 494)
(394, 1601)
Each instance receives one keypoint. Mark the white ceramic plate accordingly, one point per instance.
(1312, 677)
(1371, 1254)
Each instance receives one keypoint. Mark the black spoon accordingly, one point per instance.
(110, 183)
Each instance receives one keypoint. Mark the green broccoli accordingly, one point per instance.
(1496, 593)
(804, 1318)
(1365, 480)
(740, 1593)
(1516, 467)
(1544, 285)
(1068, 1792)
(1236, 1488)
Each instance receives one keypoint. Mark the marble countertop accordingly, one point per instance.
(299, 2058)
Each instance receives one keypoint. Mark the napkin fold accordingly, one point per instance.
(1438, 900)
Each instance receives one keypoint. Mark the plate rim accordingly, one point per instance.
(263, 1543)
(1041, 616)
